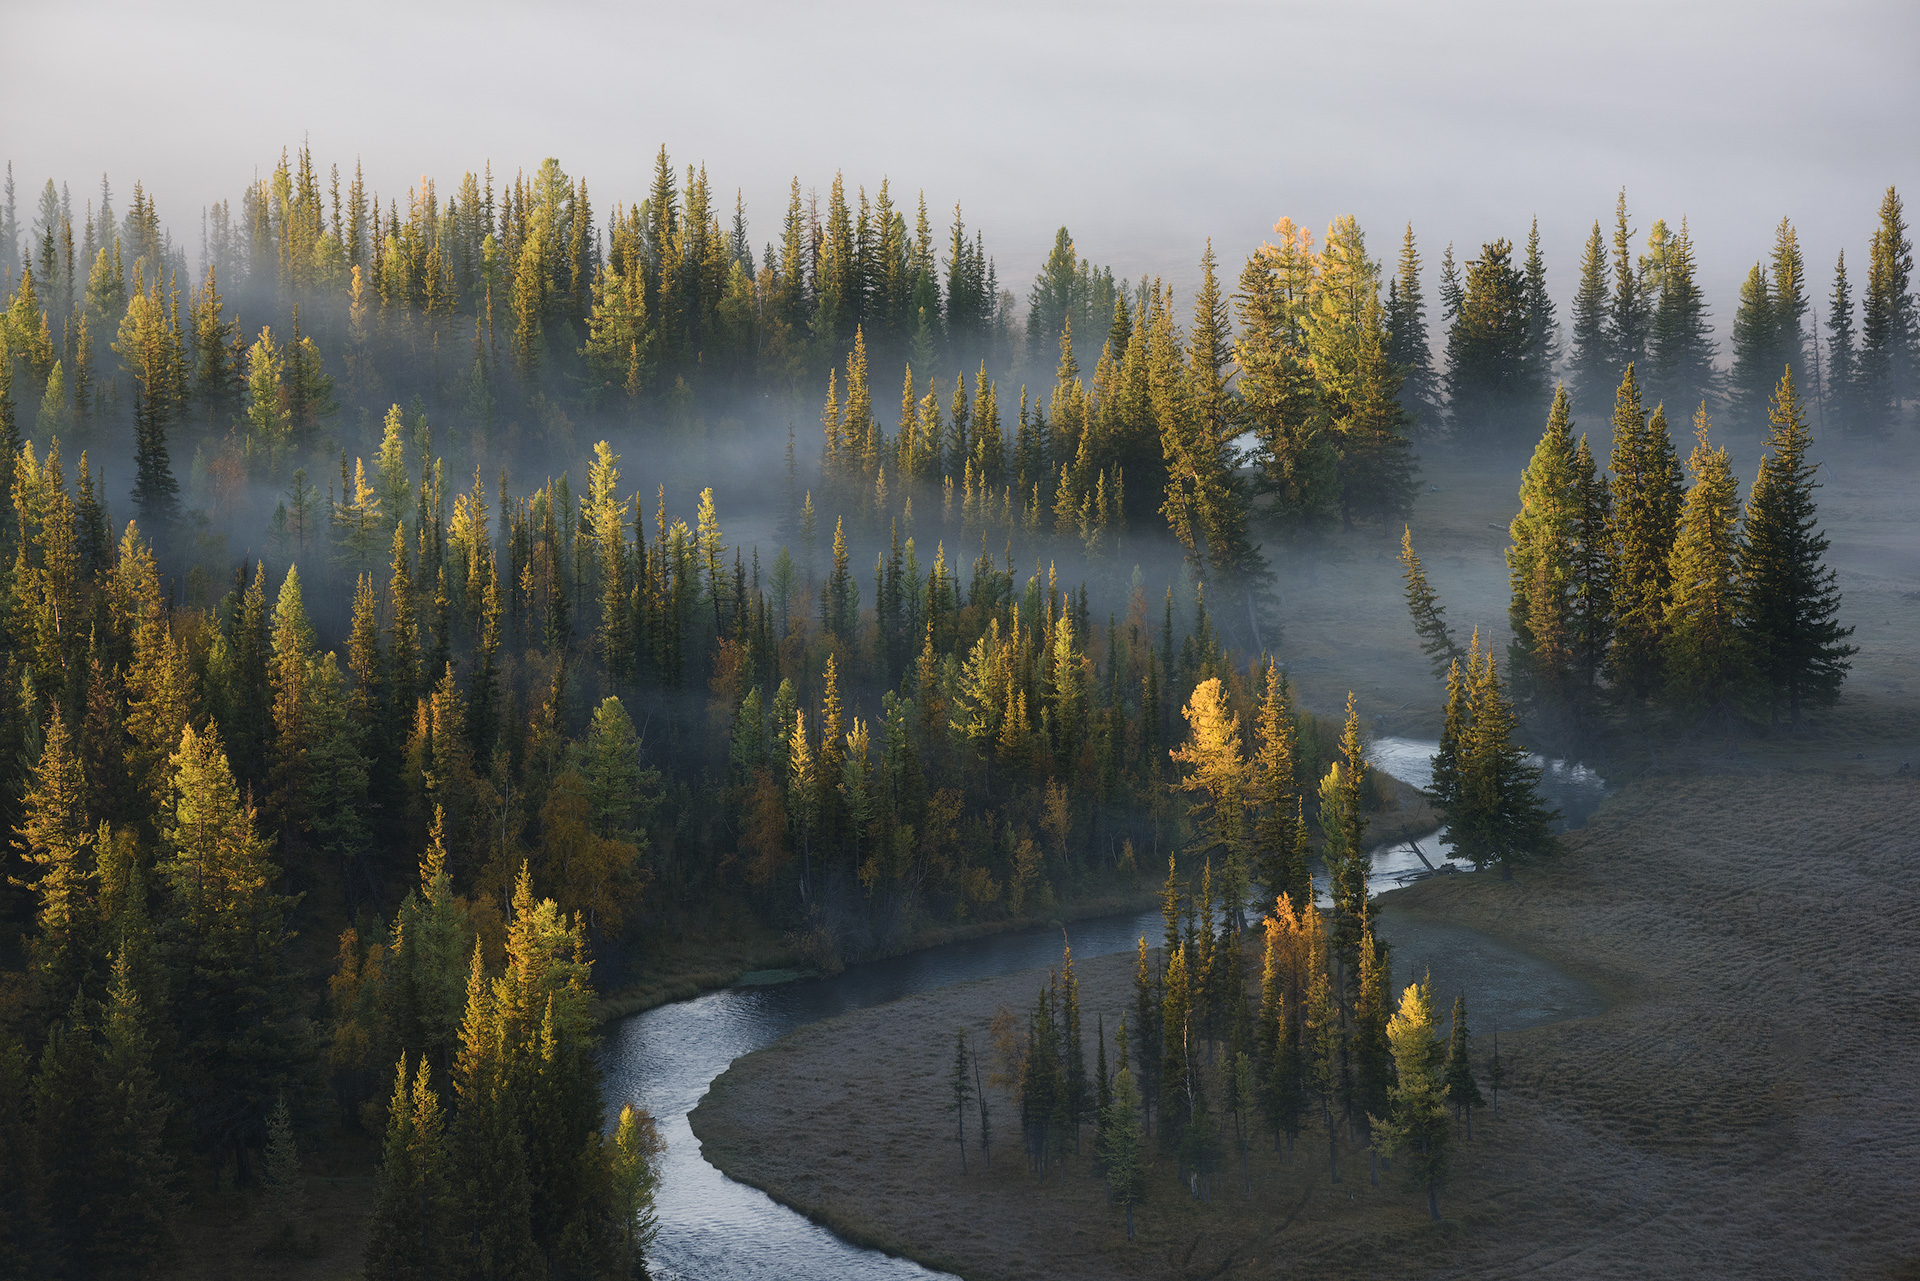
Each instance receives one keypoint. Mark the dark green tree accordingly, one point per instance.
(1790, 599)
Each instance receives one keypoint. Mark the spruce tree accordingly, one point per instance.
(1755, 344)
(1429, 615)
(139, 1182)
(1842, 408)
(1543, 325)
(1120, 1147)
(1629, 309)
(1593, 571)
(224, 937)
(1646, 511)
(1495, 377)
(1789, 303)
(1591, 366)
(1407, 343)
(1280, 836)
(56, 839)
(1681, 350)
(405, 1241)
(959, 1088)
(1706, 663)
(1542, 565)
(1494, 814)
(1417, 1132)
(1789, 596)
(1463, 1091)
(1889, 327)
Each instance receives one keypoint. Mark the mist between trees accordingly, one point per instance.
(390, 656)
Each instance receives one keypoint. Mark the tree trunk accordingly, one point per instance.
(1433, 1202)
(1333, 1149)
(1469, 1125)
(1129, 1220)
(1373, 1167)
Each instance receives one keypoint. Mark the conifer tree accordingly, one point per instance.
(1789, 303)
(1372, 1062)
(1706, 661)
(1646, 512)
(1216, 773)
(1543, 325)
(405, 1241)
(960, 1087)
(223, 937)
(1120, 1147)
(1494, 376)
(1542, 564)
(1493, 808)
(1463, 1091)
(55, 838)
(1754, 348)
(1592, 370)
(1889, 327)
(1279, 834)
(1429, 615)
(1681, 347)
(1407, 343)
(1417, 1133)
(1343, 822)
(139, 1184)
(1841, 403)
(1629, 309)
(1789, 598)
(636, 1150)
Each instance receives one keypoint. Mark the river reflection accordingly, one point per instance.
(712, 1228)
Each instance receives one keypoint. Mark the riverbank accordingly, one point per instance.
(1742, 1106)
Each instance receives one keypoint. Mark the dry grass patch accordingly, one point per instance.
(1744, 1107)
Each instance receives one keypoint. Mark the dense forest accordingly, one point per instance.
(379, 668)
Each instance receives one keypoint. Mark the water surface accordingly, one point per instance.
(713, 1228)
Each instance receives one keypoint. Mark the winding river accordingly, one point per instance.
(713, 1229)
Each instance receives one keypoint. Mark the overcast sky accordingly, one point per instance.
(1144, 127)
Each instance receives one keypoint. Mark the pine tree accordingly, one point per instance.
(1755, 346)
(1842, 400)
(1629, 310)
(1492, 803)
(1120, 1147)
(1279, 834)
(1494, 374)
(1789, 303)
(1592, 370)
(223, 938)
(1429, 615)
(1216, 773)
(1417, 1133)
(1372, 1061)
(1681, 350)
(960, 1088)
(1407, 342)
(1789, 598)
(55, 838)
(1706, 661)
(405, 1240)
(1343, 822)
(1542, 564)
(1646, 513)
(1543, 324)
(139, 1183)
(1463, 1091)
(1889, 329)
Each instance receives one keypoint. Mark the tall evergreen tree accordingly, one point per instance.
(1407, 343)
(1542, 565)
(1591, 365)
(1842, 399)
(1789, 597)
(1755, 346)
(1889, 325)
(1706, 661)
(1417, 1132)
(1629, 309)
(1681, 348)
(1646, 513)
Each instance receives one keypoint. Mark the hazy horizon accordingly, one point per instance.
(1143, 131)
